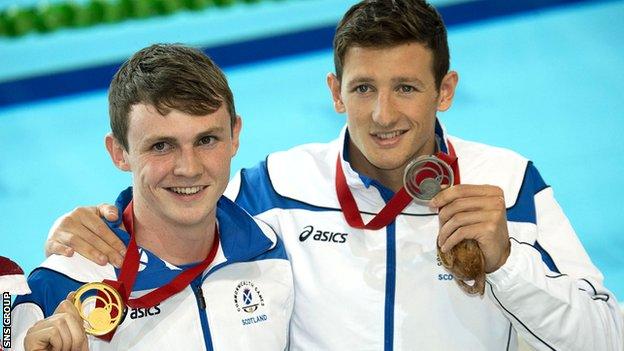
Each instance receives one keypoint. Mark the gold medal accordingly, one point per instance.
(100, 306)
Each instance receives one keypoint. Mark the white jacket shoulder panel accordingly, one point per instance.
(485, 164)
(291, 172)
(79, 268)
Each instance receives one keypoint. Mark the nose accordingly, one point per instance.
(384, 113)
(188, 164)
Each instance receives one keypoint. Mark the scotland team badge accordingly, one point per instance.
(247, 297)
(248, 300)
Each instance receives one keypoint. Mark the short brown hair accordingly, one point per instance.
(387, 23)
(167, 76)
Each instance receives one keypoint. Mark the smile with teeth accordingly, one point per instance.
(186, 190)
(389, 135)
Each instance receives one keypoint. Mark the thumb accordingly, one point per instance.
(67, 305)
(108, 211)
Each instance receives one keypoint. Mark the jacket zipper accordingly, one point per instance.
(201, 305)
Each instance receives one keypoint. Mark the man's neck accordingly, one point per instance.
(177, 245)
(392, 179)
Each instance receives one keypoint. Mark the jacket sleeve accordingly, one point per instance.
(550, 290)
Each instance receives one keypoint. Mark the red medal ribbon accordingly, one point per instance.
(130, 268)
(399, 201)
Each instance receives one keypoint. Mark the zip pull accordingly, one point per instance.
(200, 298)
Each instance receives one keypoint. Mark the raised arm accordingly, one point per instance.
(539, 274)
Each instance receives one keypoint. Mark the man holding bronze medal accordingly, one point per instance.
(199, 272)
(380, 222)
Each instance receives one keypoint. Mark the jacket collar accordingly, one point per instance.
(240, 239)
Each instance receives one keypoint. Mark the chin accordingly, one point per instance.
(388, 163)
(189, 221)
(387, 166)
(189, 216)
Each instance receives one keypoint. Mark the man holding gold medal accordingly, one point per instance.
(382, 222)
(199, 272)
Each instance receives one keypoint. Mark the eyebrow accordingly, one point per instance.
(210, 132)
(174, 141)
(408, 80)
(364, 79)
(358, 80)
(158, 139)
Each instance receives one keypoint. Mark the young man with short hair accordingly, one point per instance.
(202, 273)
(383, 288)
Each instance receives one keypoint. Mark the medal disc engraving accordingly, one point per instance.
(425, 176)
(429, 187)
(100, 306)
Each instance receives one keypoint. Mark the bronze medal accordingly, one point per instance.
(423, 180)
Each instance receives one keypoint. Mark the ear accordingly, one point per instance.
(236, 129)
(117, 152)
(447, 90)
(333, 83)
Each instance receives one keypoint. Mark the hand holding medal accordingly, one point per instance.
(63, 330)
(424, 178)
(95, 309)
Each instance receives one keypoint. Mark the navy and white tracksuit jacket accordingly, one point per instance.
(250, 268)
(385, 289)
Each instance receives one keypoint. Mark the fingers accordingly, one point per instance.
(104, 241)
(72, 331)
(463, 219)
(453, 193)
(87, 244)
(108, 211)
(53, 247)
(472, 231)
(468, 204)
(86, 233)
(61, 331)
(474, 212)
(474, 208)
(42, 338)
(76, 330)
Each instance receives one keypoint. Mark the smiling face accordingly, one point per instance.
(391, 99)
(180, 163)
